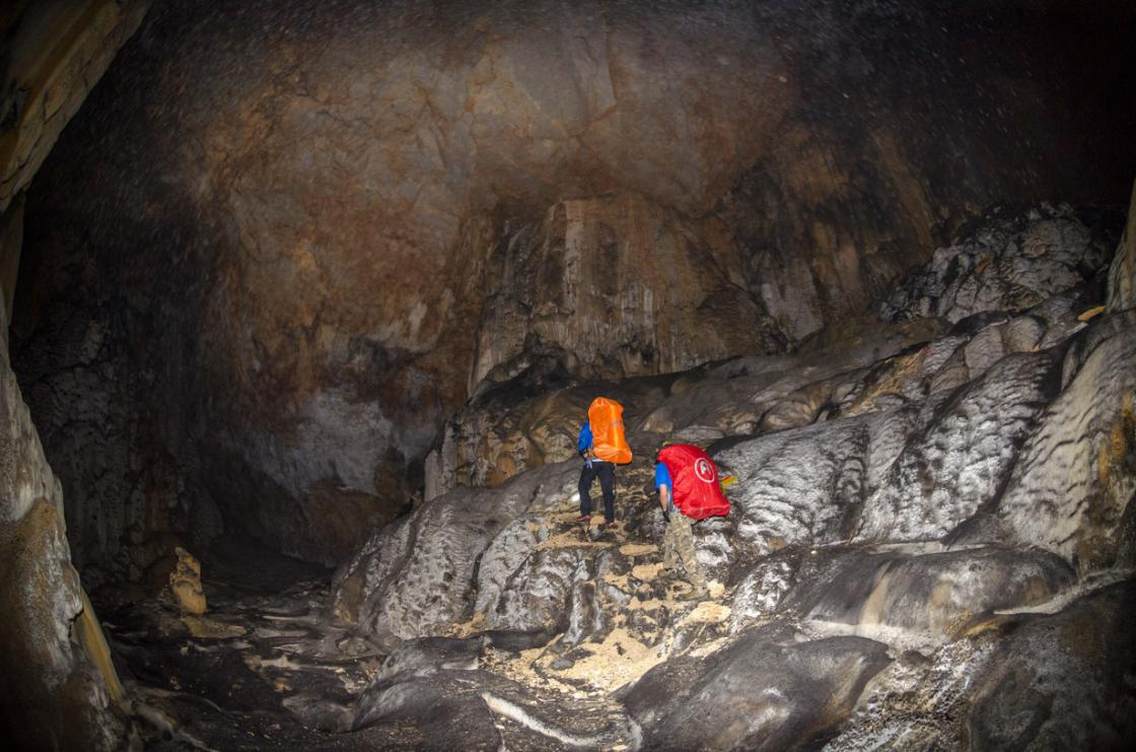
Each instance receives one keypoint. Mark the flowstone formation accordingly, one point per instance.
(883, 580)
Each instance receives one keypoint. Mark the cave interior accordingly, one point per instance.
(304, 305)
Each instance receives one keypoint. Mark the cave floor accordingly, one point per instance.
(267, 667)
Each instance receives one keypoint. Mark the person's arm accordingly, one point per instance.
(584, 440)
(664, 499)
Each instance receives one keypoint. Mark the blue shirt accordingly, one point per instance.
(584, 440)
(663, 478)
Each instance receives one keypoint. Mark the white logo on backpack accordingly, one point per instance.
(704, 469)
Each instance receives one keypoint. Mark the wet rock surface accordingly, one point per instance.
(1061, 680)
(881, 581)
(766, 691)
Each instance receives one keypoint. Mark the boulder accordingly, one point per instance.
(1061, 680)
(931, 596)
(415, 578)
(766, 691)
(801, 485)
(1006, 262)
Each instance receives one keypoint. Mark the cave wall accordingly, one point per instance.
(282, 242)
(52, 696)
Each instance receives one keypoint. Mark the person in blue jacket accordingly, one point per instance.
(594, 468)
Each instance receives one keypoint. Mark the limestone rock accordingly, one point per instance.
(52, 695)
(1122, 272)
(764, 692)
(60, 53)
(800, 485)
(1009, 263)
(961, 460)
(431, 201)
(413, 578)
(1061, 681)
(185, 584)
(1076, 472)
(933, 595)
(622, 288)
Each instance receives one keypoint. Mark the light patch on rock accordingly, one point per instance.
(571, 539)
(707, 612)
(619, 659)
(205, 628)
(646, 572)
(185, 583)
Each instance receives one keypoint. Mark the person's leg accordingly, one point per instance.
(684, 542)
(606, 472)
(587, 475)
(669, 550)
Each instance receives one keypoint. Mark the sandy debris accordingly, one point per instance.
(619, 659)
(646, 572)
(520, 668)
(255, 663)
(707, 612)
(620, 581)
(638, 549)
(571, 539)
(654, 604)
(205, 628)
(716, 589)
(468, 628)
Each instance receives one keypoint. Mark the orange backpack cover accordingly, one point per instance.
(605, 416)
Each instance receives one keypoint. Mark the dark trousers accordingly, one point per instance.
(605, 471)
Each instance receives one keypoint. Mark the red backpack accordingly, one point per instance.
(694, 478)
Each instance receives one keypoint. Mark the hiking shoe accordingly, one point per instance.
(584, 518)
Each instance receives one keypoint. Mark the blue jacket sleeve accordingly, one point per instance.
(584, 441)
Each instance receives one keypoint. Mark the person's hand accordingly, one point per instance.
(666, 516)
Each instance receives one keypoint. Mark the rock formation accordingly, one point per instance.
(315, 284)
(185, 584)
(879, 538)
(53, 696)
(333, 224)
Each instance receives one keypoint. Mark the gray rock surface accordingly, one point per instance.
(961, 459)
(416, 575)
(51, 693)
(932, 594)
(1008, 263)
(767, 691)
(1061, 681)
(1076, 473)
(1122, 271)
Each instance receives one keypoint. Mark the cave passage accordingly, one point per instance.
(305, 305)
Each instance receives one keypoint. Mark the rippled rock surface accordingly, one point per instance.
(904, 497)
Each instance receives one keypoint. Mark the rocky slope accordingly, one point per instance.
(284, 240)
(930, 542)
(931, 546)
